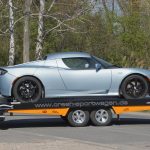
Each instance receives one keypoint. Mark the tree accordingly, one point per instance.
(116, 30)
(60, 18)
(11, 29)
(136, 5)
(26, 40)
(38, 51)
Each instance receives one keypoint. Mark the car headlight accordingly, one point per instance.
(2, 71)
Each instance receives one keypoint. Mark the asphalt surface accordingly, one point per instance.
(39, 132)
(131, 132)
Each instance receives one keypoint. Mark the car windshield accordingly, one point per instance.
(105, 64)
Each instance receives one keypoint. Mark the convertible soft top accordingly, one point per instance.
(67, 55)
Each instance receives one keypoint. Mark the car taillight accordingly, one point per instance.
(2, 72)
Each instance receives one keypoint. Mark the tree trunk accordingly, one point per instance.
(136, 5)
(108, 17)
(26, 40)
(39, 47)
(11, 29)
(123, 7)
(113, 6)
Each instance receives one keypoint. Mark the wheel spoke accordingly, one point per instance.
(101, 116)
(78, 116)
(103, 119)
(27, 89)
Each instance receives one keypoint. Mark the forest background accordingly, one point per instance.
(115, 30)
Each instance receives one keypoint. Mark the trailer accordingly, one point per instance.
(78, 111)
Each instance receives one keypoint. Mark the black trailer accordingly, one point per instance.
(77, 110)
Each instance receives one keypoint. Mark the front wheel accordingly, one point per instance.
(27, 89)
(134, 86)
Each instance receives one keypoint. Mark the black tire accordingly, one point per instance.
(81, 122)
(134, 86)
(27, 89)
(101, 120)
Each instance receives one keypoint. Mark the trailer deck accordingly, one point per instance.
(78, 110)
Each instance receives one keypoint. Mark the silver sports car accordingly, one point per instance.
(72, 74)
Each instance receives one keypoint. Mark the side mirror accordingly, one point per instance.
(98, 67)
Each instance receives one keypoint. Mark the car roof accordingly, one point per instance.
(67, 55)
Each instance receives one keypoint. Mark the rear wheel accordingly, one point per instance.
(134, 86)
(27, 89)
(78, 118)
(101, 117)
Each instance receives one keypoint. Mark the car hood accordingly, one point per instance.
(137, 70)
(127, 71)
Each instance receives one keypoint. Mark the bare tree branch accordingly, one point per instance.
(7, 30)
(52, 4)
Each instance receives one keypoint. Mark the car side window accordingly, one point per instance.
(79, 63)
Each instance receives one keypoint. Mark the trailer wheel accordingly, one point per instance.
(101, 117)
(78, 118)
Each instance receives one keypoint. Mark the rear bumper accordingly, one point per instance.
(6, 82)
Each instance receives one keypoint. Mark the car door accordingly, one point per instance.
(51, 79)
(80, 75)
